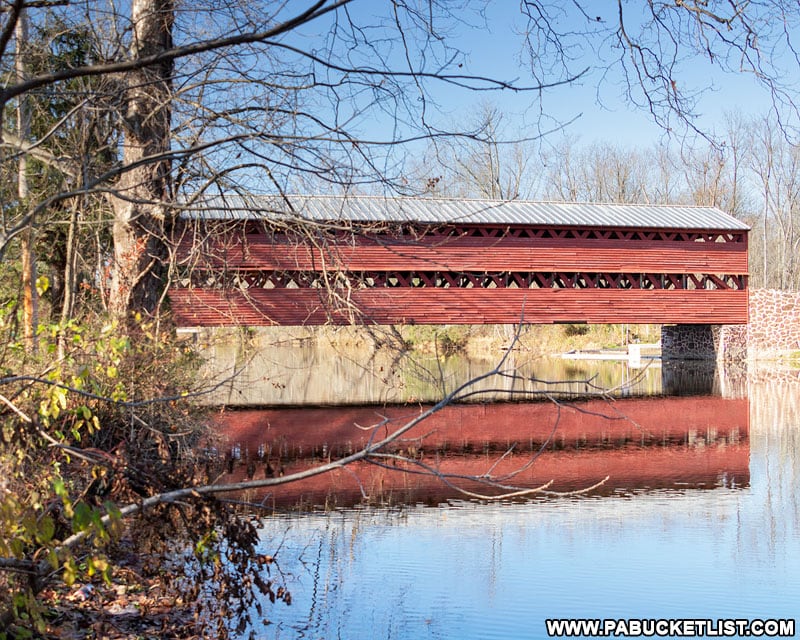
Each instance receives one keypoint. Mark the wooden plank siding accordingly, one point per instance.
(248, 273)
(259, 307)
(475, 254)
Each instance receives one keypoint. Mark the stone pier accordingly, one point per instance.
(773, 332)
(774, 329)
(720, 343)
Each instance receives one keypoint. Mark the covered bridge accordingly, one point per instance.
(311, 260)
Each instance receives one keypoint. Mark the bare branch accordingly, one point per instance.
(10, 26)
(37, 151)
(170, 55)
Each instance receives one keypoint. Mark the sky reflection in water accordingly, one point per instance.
(497, 571)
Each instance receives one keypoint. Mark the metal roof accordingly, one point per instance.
(376, 209)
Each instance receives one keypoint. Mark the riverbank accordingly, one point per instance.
(482, 340)
(271, 369)
(475, 341)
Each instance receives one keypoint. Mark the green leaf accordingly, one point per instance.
(59, 488)
(29, 524)
(82, 518)
(115, 527)
(98, 563)
(47, 529)
(70, 571)
(112, 510)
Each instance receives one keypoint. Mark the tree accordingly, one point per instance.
(598, 173)
(668, 54)
(137, 110)
(487, 163)
(776, 170)
(143, 190)
(267, 97)
(30, 303)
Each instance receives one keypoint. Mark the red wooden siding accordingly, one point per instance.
(460, 275)
(216, 307)
(477, 254)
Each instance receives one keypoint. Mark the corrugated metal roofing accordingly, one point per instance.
(368, 209)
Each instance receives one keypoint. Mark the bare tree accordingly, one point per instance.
(141, 109)
(485, 161)
(775, 165)
(27, 253)
(600, 172)
(196, 109)
(654, 45)
(266, 97)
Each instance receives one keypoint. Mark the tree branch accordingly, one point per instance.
(175, 53)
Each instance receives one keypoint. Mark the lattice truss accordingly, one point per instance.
(210, 268)
(512, 280)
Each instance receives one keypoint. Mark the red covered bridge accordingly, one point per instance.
(311, 260)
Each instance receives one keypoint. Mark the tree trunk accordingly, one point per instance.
(30, 299)
(142, 197)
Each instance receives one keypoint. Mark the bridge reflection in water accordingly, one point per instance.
(631, 444)
(498, 571)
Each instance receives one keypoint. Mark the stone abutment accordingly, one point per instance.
(773, 331)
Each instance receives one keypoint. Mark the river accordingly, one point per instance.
(699, 519)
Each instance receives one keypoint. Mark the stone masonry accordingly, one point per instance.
(773, 330)
(704, 342)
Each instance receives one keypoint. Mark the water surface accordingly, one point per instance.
(726, 548)
(263, 370)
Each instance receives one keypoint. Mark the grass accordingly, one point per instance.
(792, 359)
(477, 342)
(552, 339)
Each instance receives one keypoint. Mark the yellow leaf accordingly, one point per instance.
(42, 284)
(70, 572)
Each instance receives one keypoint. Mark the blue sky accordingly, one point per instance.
(597, 103)
(371, 108)
(493, 47)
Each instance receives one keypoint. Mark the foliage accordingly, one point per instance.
(441, 341)
(575, 330)
(85, 434)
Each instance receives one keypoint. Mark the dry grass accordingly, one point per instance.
(477, 342)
